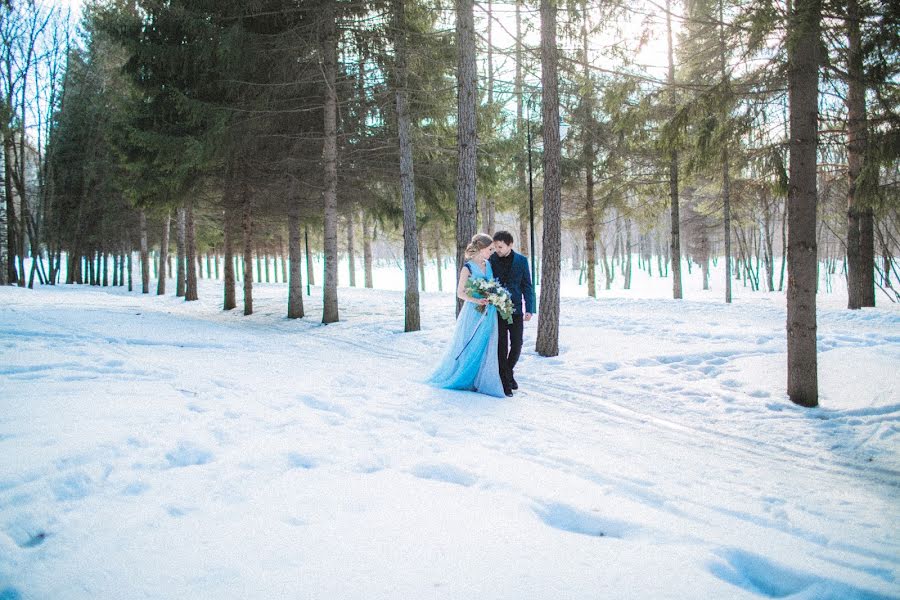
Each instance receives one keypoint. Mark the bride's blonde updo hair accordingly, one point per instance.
(479, 242)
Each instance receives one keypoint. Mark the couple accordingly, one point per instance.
(485, 347)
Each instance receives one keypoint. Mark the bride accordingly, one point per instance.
(471, 360)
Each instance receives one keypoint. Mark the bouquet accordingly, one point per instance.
(495, 293)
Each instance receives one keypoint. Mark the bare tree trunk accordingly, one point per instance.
(520, 164)
(163, 255)
(726, 171)
(295, 283)
(547, 343)
(768, 240)
(628, 252)
(310, 272)
(190, 247)
(179, 254)
(230, 293)
(351, 247)
(411, 243)
(329, 157)
(145, 255)
(675, 239)
(803, 70)
(130, 254)
(247, 230)
(489, 206)
(590, 227)
(467, 97)
(367, 250)
(438, 261)
(860, 234)
(11, 232)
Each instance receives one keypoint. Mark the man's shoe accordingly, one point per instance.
(508, 393)
(512, 383)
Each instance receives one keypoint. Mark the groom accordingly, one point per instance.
(511, 270)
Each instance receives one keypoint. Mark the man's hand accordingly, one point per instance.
(526, 317)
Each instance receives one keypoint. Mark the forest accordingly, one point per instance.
(225, 138)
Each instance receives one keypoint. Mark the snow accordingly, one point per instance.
(152, 448)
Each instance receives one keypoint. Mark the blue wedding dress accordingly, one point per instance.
(471, 361)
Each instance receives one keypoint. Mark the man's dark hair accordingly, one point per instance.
(504, 236)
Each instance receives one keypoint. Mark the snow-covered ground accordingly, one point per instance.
(152, 448)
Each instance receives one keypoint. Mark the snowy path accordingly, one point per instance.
(152, 448)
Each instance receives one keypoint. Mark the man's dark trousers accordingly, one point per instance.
(509, 347)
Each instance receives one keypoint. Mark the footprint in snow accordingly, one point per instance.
(302, 461)
(187, 454)
(323, 405)
(135, 488)
(769, 579)
(444, 472)
(72, 487)
(573, 520)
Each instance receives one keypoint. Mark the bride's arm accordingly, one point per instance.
(461, 288)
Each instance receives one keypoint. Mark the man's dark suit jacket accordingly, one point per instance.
(517, 281)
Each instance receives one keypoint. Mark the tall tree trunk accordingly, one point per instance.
(609, 270)
(145, 255)
(467, 98)
(329, 158)
(629, 250)
(10, 233)
(367, 250)
(130, 271)
(860, 234)
(247, 247)
(230, 293)
(803, 71)
(179, 254)
(284, 258)
(295, 283)
(489, 202)
(768, 235)
(726, 203)
(675, 219)
(522, 188)
(310, 272)
(590, 227)
(438, 261)
(548, 324)
(164, 255)
(726, 171)
(190, 248)
(351, 247)
(407, 177)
